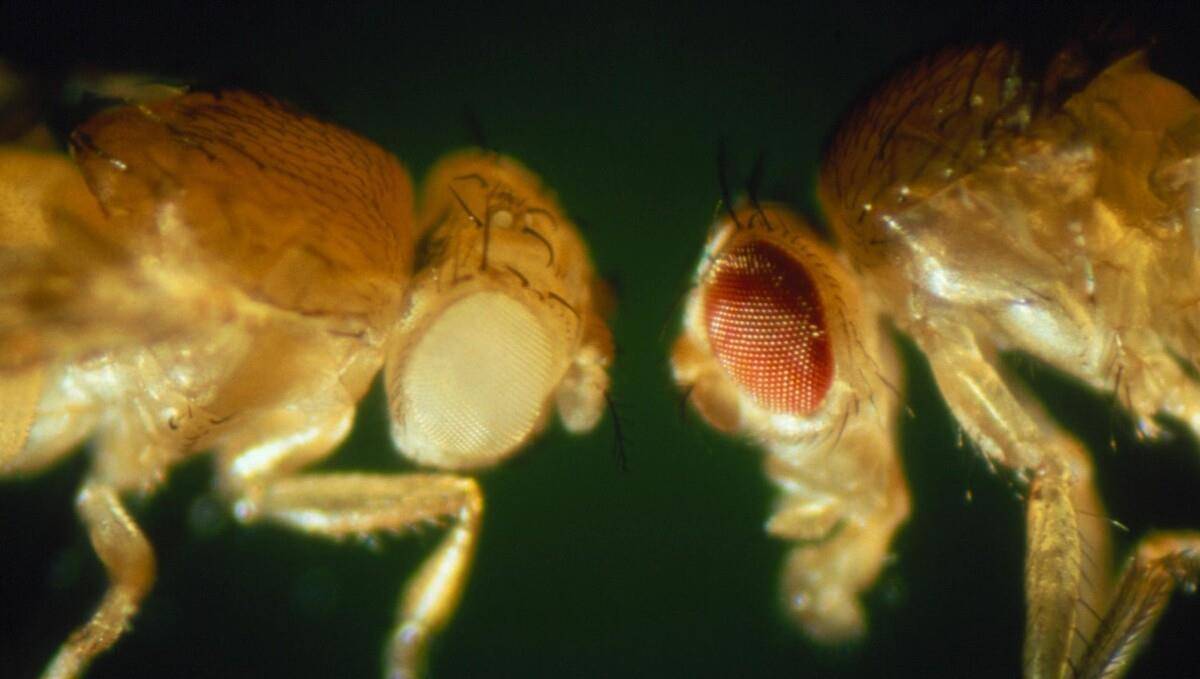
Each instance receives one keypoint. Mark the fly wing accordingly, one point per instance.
(294, 212)
(68, 290)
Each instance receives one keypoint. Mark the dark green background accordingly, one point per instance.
(583, 570)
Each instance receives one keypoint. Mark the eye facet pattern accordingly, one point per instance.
(478, 378)
(219, 272)
(766, 326)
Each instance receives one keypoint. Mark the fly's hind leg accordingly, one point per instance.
(263, 483)
(129, 561)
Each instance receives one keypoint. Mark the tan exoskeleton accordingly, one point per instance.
(1056, 216)
(780, 343)
(229, 274)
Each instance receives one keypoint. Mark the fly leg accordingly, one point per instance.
(981, 400)
(1160, 563)
(263, 481)
(354, 505)
(1151, 381)
(824, 577)
(842, 511)
(1066, 571)
(129, 561)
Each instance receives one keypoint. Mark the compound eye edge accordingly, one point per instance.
(767, 329)
(476, 381)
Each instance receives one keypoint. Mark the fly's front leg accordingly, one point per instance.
(263, 482)
(843, 508)
(355, 505)
(1066, 572)
(1053, 575)
(129, 561)
(822, 581)
(981, 400)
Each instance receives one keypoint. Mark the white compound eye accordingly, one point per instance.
(476, 382)
(499, 326)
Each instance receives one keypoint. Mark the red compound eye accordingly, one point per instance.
(767, 328)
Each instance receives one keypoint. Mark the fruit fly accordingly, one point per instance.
(980, 210)
(220, 272)
(780, 343)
